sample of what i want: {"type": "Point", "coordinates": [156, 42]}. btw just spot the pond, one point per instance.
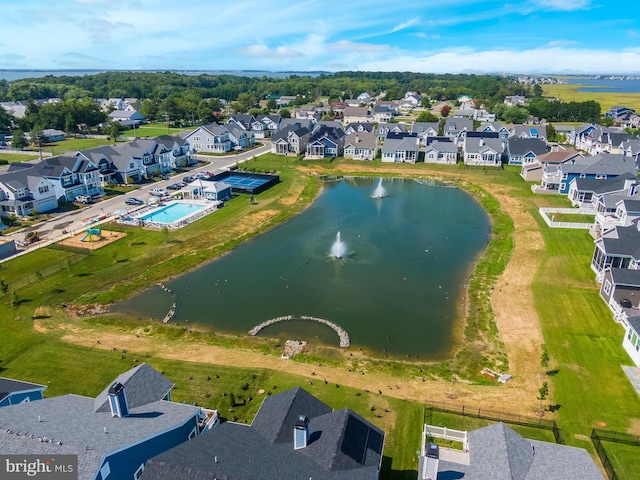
{"type": "Point", "coordinates": [397, 288]}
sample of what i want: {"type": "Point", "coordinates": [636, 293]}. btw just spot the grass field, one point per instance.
{"type": "Point", "coordinates": [569, 93]}
{"type": "Point", "coordinates": [18, 157]}
{"type": "Point", "coordinates": [582, 340]}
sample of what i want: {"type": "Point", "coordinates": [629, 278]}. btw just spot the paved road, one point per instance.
{"type": "Point", "coordinates": [74, 222]}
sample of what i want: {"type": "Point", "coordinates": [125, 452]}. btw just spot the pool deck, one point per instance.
{"type": "Point", "coordinates": [136, 219]}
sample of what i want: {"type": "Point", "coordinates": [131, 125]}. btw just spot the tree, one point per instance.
{"type": "Point", "coordinates": [517, 114]}
{"type": "Point", "coordinates": [19, 141]}
{"type": "Point", "coordinates": [4, 288]}
{"type": "Point", "coordinates": [537, 90]}
{"type": "Point", "coordinates": [272, 105]}
{"type": "Point", "coordinates": [544, 363]}
{"type": "Point", "coordinates": [425, 102]}
{"type": "Point", "coordinates": [426, 117]}
{"type": "Point", "coordinates": [543, 392]}
{"type": "Point", "coordinates": [285, 113]}
{"type": "Point", "coordinates": [445, 111]}
{"type": "Point", "coordinates": [114, 131]}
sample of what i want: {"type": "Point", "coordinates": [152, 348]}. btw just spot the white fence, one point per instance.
{"type": "Point", "coordinates": [546, 212]}
{"type": "Point", "coordinates": [447, 434]}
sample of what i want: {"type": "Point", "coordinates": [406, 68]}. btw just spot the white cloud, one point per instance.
{"type": "Point", "coordinates": [406, 24]}
{"type": "Point", "coordinates": [564, 5]}
{"type": "Point", "coordinates": [542, 60]}
{"type": "Point", "coordinates": [346, 45]}
{"type": "Point", "coordinates": [561, 43]}
{"type": "Point", "coordinates": [262, 51]}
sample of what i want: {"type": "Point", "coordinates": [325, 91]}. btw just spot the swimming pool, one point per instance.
{"type": "Point", "coordinates": [172, 213]}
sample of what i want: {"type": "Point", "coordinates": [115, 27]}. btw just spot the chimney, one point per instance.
{"type": "Point", "coordinates": [481, 142]}
{"type": "Point", "coordinates": [630, 185]}
{"type": "Point", "coordinates": [118, 401]}
{"type": "Point", "coordinates": [357, 139]}
{"type": "Point", "coordinates": [430, 463]}
{"type": "Point", "coordinates": [301, 433]}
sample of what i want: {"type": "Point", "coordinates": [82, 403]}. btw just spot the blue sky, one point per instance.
{"type": "Point", "coordinates": [444, 36]}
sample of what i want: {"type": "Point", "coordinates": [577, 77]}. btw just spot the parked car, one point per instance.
{"type": "Point", "coordinates": [175, 186]}
{"type": "Point", "coordinates": [159, 192]}
{"type": "Point", "coordinates": [86, 199]}
{"type": "Point", "coordinates": [133, 201]}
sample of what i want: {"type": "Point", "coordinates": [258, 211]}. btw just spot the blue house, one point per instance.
{"type": "Point", "coordinates": [113, 434]}
{"type": "Point", "coordinates": [525, 151]}
{"type": "Point", "coordinates": [599, 167]}
{"type": "Point", "coordinates": [13, 392]}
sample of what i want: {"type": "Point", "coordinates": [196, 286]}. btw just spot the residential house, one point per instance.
{"type": "Point", "coordinates": [285, 100]}
{"type": "Point", "coordinates": [290, 140]}
{"type": "Point", "coordinates": [325, 142]}
{"type": "Point", "coordinates": [13, 391]}
{"type": "Point", "coordinates": [210, 138]}
{"type": "Point", "coordinates": [24, 191]}
{"type": "Point", "coordinates": [606, 165]}
{"type": "Point", "coordinates": [293, 436]}
{"type": "Point", "coordinates": [620, 290]}
{"type": "Point", "coordinates": [115, 165]}
{"type": "Point", "coordinates": [568, 131]}
{"type": "Point", "coordinates": [384, 129]}
{"type": "Point", "coordinates": [153, 158]}
{"type": "Point", "coordinates": [618, 207]}
{"type": "Point", "coordinates": [455, 128]}
{"type": "Point", "coordinates": [361, 146]}
{"type": "Point", "coordinates": [582, 136]}
{"type": "Point", "coordinates": [525, 151]}
{"type": "Point", "coordinates": [425, 130]}
{"type": "Point", "coordinates": [485, 152]}
{"type": "Point", "coordinates": [270, 125]}
{"type": "Point", "coordinates": [498, 452]}
{"type": "Point", "coordinates": [618, 247]}
{"type": "Point", "coordinates": [529, 131]}
{"type": "Point", "coordinates": [359, 127]}
{"type": "Point", "coordinates": [239, 137]}
{"type": "Point", "coordinates": [356, 114]}
{"type": "Point", "coordinates": [401, 149]}
{"type": "Point", "coordinates": [71, 176]}
{"type": "Point", "coordinates": [17, 109]}
{"type": "Point", "coordinates": [410, 101]}
{"type": "Point", "coordinates": [503, 132]}
{"type": "Point", "coordinates": [53, 135]}
{"type": "Point", "coordinates": [245, 122]}
{"type": "Point", "coordinates": [631, 340]}
{"type": "Point", "coordinates": [585, 192]}
{"type": "Point", "coordinates": [113, 434]}
{"type": "Point", "coordinates": [619, 111]}
{"type": "Point", "coordinates": [306, 123]}
{"type": "Point", "coordinates": [306, 112]}
{"type": "Point", "coordinates": [338, 107]}
{"type": "Point", "coordinates": [441, 152]}
{"type": "Point", "coordinates": [532, 172]}
{"type": "Point", "coordinates": [127, 118]}
{"type": "Point", "coordinates": [180, 150]}
{"type": "Point", "coordinates": [365, 98]}
{"type": "Point", "coordinates": [210, 190]}
{"type": "Point", "coordinates": [464, 113]}
{"type": "Point", "coordinates": [383, 113]}
{"type": "Point", "coordinates": [513, 100]}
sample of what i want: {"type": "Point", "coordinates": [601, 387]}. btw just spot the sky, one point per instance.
{"type": "Point", "coordinates": [429, 36]}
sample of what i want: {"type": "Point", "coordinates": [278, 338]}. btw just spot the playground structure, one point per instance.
{"type": "Point", "coordinates": [92, 234]}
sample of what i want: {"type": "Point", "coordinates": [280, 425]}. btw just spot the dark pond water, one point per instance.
{"type": "Point", "coordinates": [398, 290]}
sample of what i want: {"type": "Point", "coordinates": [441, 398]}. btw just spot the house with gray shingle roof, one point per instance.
{"type": "Point", "coordinates": [425, 130]}
{"type": "Point", "coordinates": [210, 138]}
{"type": "Point", "coordinates": [128, 117]}
{"type": "Point", "coordinates": [441, 152]}
{"type": "Point", "coordinates": [497, 452]}
{"type": "Point", "coordinates": [485, 152]}
{"type": "Point", "coordinates": [618, 247]}
{"type": "Point", "coordinates": [361, 146]}
{"type": "Point", "coordinates": [529, 131]}
{"type": "Point", "coordinates": [24, 190]}
{"type": "Point", "coordinates": [585, 192]}
{"type": "Point", "coordinates": [402, 149]}
{"type": "Point", "coordinates": [180, 150]}
{"type": "Point", "coordinates": [71, 175]}
{"type": "Point", "coordinates": [503, 132]}
{"type": "Point", "coordinates": [533, 172]}
{"type": "Point", "coordinates": [359, 127]}
{"type": "Point", "coordinates": [293, 436]}
{"type": "Point", "coordinates": [525, 151]}
{"type": "Point", "coordinates": [617, 207]}
{"type": "Point", "coordinates": [13, 391]}
{"type": "Point", "coordinates": [605, 165]}
{"type": "Point", "coordinates": [290, 140]}
{"type": "Point", "coordinates": [112, 435]}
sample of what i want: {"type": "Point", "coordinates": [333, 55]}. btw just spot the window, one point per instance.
{"type": "Point", "coordinates": [607, 287]}
{"type": "Point", "coordinates": [43, 189]}
{"type": "Point", "coordinates": [193, 433]}
{"type": "Point", "coordinates": [138, 474]}
{"type": "Point", "coordinates": [105, 471]}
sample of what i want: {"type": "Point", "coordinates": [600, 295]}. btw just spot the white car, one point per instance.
{"type": "Point", "coordinates": [159, 192]}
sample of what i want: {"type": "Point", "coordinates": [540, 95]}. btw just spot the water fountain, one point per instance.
{"type": "Point", "coordinates": [338, 249]}
{"type": "Point", "coordinates": [380, 191]}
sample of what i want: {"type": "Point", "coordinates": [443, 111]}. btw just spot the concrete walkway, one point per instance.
{"type": "Point", "coordinates": [633, 374]}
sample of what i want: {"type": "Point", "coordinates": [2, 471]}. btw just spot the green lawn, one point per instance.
{"type": "Point", "coordinates": [151, 130]}
{"type": "Point", "coordinates": [18, 157]}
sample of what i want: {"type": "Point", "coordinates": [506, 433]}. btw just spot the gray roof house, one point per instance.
{"type": "Point", "coordinates": [497, 452]}
{"type": "Point", "coordinates": [529, 131]}
{"type": "Point", "coordinates": [23, 189]}
{"type": "Point", "coordinates": [403, 149]}
{"type": "Point", "coordinates": [525, 151]}
{"type": "Point", "coordinates": [618, 247]}
{"type": "Point", "coordinates": [16, 391]}
{"type": "Point", "coordinates": [293, 436]}
{"type": "Point", "coordinates": [455, 127]}
{"type": "Point", "coordinates": [210, 138]}
{"type": "Point", "coordinates": [361, 146]}
{"type": "Point", "coordinates": [441, 152]}
{"type": "Point", "coordinates": [533, 172]}
{"type": "Point", "coordinates": [425, 130]}
{"type": "Point", "coordinates": [486, 152]}
{"type": "Point", "coordinates": [114, 434]}
{"type": "Point", "coordinates": [494, 127]}
{"type": "Point", "coordinates": [585, 192]}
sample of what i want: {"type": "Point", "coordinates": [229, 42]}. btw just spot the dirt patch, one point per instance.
{"type": "Point", "coordinates": [93, 242]}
